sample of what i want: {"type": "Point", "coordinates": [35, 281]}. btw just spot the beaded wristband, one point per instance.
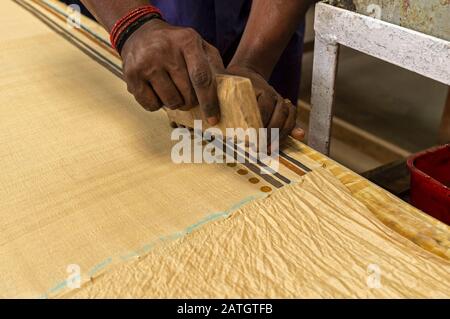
{"type": "Point", "coordinates": [121, 27]}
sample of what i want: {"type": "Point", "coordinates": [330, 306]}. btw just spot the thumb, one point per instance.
{"type": "Point", "coordinates": [298, 133]}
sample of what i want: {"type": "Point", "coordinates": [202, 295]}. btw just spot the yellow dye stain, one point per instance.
{"type": "Point", "coordinates": [242, 172]}
{"type": "Point", "coordinates": [266, 189]}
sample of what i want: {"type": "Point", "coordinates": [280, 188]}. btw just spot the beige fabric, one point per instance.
{"type": "Point", "coordinates": [86, 176]}
{"type": "Point", "coordinates": [312, 239]}
{"type": "Point", "coordinates": [420, 228]}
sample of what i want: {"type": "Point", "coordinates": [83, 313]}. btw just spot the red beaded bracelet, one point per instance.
{"type": "Point", "coordinates": [123, 23]}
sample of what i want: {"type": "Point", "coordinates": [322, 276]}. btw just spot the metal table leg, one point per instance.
{"type": "Point", "coordinates": [326, 54]}
{"type": "Point", "coordinates": [409, 49]}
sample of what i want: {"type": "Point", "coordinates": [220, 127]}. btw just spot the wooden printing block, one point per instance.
{"type": "Point", "coordinates": [238, 106]}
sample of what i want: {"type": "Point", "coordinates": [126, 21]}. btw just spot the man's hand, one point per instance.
{"type": "Point", "coordinates": [174, 67]}
{"type": "Point", "coordinates": [276, 112]}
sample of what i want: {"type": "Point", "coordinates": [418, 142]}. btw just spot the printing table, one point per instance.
{"type": "Point", "coordinates": [87, 177]}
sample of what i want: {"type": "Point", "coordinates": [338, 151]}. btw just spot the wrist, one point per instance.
{"type": "Point", "coordinates": [246, 67]}
{"type": "Point", "coordinates": [124, 28]}
{"type": "Point", "coordinates": [144, 32]}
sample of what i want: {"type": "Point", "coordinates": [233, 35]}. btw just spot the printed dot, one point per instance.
{"type": "Point", "coordinates": [254, 180]}
{"type": "Point", "coordinates": [242, 172]}
{"type": "Point", "coordinates": [266, 189]}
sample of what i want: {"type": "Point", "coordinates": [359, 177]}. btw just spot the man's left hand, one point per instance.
{"type": "Point", "coordinates": [276, 112]}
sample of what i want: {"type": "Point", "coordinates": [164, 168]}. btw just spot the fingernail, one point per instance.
{"type": "Point", "coordinates": [213, 120]}
{"type": "Point", "coordinates": [298, 133]}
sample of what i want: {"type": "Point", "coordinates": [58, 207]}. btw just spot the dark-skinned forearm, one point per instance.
{"type": "Point", "coordinates": [270, 27]}
{"type": "Point", "coordinates": [107, 12]}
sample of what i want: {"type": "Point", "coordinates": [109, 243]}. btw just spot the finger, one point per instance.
{"type": "Point", "coordinates": [214, 58]}
{"type": "Point", "coordinates": [180, 77]}
{"type": "Point", "coordinates": [183, 83]}
{"type": "Point", "coordinates": [203, 81]}
{"type": "Point", "coordinates": [266, 103]}
{"type": "Point", "coordinates": [278, 120]}
{"type": "Point", "coordinates": [298, 133]}
{"type": "Point", "coordinates": [146, 97]}
{"type": "Point", "coordinates": [290, 122]}
{"type": "Point", "coordinates": [166, 90]}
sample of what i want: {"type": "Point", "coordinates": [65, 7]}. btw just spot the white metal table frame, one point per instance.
{"type": "Point", "coordinates": [409, 49]}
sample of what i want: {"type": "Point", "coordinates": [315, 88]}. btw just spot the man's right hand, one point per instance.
{"type": "Point", "coordinates": [173, 67]}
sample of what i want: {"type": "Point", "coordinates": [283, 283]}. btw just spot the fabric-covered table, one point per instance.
{"type": "Point", "coordinates": [87, 182]}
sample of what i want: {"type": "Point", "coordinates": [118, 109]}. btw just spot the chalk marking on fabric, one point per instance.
{"type": "Point", "coordinates": [100, 266]}
{"type": "Point", "coordinates": [129, 255]}
{"type": "Point", "coordinates": [149, 246]}
{"type": "Point", "coordinates": [61, 285]}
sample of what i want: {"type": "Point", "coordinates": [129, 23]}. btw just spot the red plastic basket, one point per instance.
{"type": "Point", "coordinates": [430, 182]}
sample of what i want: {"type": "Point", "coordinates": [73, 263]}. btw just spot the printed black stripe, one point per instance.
{"type": "Point", "coordinates": [294, 161]}
{"type": "Point", "coordinates": [255, 169]}
{"type": "Point", "coordinates": [84, 47]}
{"type": "Point", "coordinates": [59, 11]}
{"type": "Point", "coordinates": [261, 164]}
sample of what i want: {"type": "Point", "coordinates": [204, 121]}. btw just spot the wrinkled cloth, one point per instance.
{"type": "Point", "coordinates": [311, 239]}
